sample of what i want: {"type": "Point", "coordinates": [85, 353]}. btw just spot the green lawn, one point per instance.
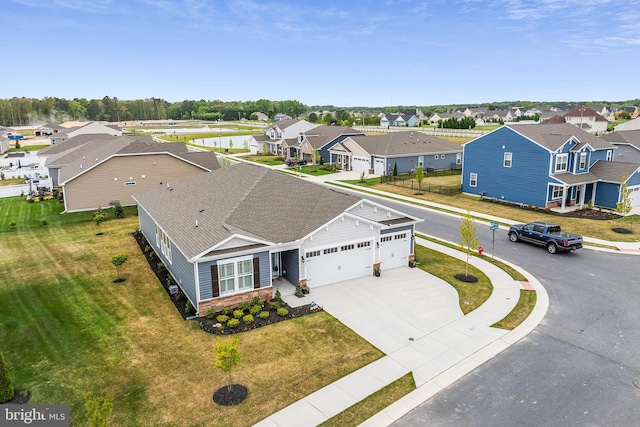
{"type": "Point", "coordinates": [65, 328]}
{"type": "Point", "coordinates": [265, 160]}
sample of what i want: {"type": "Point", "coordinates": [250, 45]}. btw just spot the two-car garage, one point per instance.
{"type": "Point", "coordinates": [326, 265]}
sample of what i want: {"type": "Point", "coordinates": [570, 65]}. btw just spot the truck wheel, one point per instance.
{"type": "Point", "coordinates": [552, 248]}
{"type": "Point", "coordinates": [513, 236]}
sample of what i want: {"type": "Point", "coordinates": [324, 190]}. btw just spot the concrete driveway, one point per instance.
{"type": "Point", "coordinates": [393, 310]}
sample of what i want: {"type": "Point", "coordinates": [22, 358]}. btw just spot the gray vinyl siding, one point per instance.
{"type": "Point", "coordinates": [204, 273]}
{"type": "Point", "coordinates": [626, 153]}
{"type": "Point", "coordinates": [291, 266]}
{"type": "Point", "coordinates": [181, 269]}
{"type": "Point", "coordinates": [406, 164]}
{"type": "Point", "coordinates": [526, 181]}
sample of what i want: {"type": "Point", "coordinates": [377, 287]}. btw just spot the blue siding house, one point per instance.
{"type": "Point", "coordinates": [545, 165]}
{"type": "Point", "coordinates": [226, 235]}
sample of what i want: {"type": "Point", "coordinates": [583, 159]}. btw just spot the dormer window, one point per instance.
{"type": "Point", "coordinates": [562, 161]}
{"type": "Point", "coordinates": [583, 161]}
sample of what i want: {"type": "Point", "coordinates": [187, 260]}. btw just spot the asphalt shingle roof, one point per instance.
{"type": "Point", "coordinates": [613, 171]}
{"type": "Point", "coordinates": [553, 136]}
{"type": "Point", "coordinates": [626, 136]}
{"type": "Point", "coordinates": [246, 199]}
{"type": "Point", "coordinates": [405, 143]}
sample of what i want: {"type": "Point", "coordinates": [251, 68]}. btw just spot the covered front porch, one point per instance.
{"type": "Point", "coordinates": [574, 192]}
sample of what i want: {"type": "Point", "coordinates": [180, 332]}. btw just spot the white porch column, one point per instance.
{"type": "Point", "coordinates": [564, 198]}
{"type": "Point", "coordinates": [583, 190]}
{"type": "Point", "coordinates": [593, 195]}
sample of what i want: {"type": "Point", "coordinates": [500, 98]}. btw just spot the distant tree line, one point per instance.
{"type": "Point", "coordinates": [28, 111]}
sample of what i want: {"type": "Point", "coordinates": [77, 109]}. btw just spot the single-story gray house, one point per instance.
{"type": "Point", "coordinates": [407, 150]}
{"type": "Point", "coordinates": [226, 235]}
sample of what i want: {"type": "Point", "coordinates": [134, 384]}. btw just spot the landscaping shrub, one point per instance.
{"type": "Point", "coordinates": [274, 305]}
{"type": "Point", "coordinates": [278, 295]}
{"type": "Point", "coordinates": [256, 301]}
{"type": "Point", "coordinates": [44, 221]}
{"type": "Point", "coordinates": [222, 318]}
{"type": "Point", "coordinates": [264, 315]}
{"type": "Point", "coordinates": [255, 309]}
{"type": "Point", "coordinates": [233, 323]}
{"type": "Point", "coordinates": [245, 306]}
{"type": "Point", "coordinates": [238, 313]}
{"type": "Point", "coordinates": [188, 308]}
{"type": "Point", "coordinates": [248, 319]}
{"type": "Point", "coordinates": [282, 311]}
{"type": "Point", "coordinates": [211, 313]}
{"type": "Point", "coordinates": [227, 311]}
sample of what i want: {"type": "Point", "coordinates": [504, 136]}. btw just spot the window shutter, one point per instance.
{"type": "Point", "coordinates": [215, 286]}
{"type": "Point", "coordinates": [256, 273]}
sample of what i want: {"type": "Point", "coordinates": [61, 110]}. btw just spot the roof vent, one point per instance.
{"type": "Point", "coordinates": [196, 223]}
{"type": "Point", "coordinates": [201, 210]}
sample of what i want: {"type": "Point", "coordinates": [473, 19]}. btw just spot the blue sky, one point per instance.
{"type": "Point", "coordinates": [345, 53]}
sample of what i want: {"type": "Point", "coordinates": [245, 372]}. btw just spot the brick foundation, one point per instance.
{"type": "Point", "coordinates": [233, 301]}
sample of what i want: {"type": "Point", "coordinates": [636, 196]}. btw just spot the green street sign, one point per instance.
{"type": "Point", "coordinates": [493, 226]}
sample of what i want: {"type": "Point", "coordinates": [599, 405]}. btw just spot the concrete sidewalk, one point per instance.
{"type": "Point", "coordinates": [436, 356]}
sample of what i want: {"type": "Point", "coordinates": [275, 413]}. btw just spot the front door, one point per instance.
{"type": "Point", "coordinates": [578, 191]}
{"type": "Point", "coordinates": [276, 265]}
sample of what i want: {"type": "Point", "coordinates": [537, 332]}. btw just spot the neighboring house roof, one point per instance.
{"type": "Point", "coordinates": [403, 143]}
{"type": "Point", "coordinates": [633, 124]}
{"type": "Point", "coordinates": [613, 171]}
{"type": "Point", "coordinates": [79, 159]}
{"type": "Point", "coordinates": [245, 200]}
{"type": "Point", "coordinates": [555, 119]}
{"type": "Point", "coordinates": [321, 135]}
{"type": "Point", "coordinates": [554, 136]}
{"type": "Point", "coordinates": [631, 137]}
{"type": "Point", "coordinates": [585, 112]}
{"type": "Point", "coordinates": [51, 126]}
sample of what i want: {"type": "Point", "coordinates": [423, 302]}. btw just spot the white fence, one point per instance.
{"type": "Point", "coordinates": [463, 133]}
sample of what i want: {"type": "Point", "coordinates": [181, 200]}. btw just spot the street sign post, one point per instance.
{"type": "Point", "coordinates": [493, 227]}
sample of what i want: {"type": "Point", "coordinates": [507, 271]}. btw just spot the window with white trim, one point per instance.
{"type": "Point", "coordinates": [386, 239]}
{"type": "Point", "coordinates": [245, 275]}
{"type": "Point", "coordinates": [506, 162]}
{"type": "Point", "coordinates": [473, 179]}
{"type": "Point", "coordinates": [435, 157]}
{"type": "Point", "coordinates": [556, 193]}
{"type": "Point", "coordinates": [458, 158]}
{"type": "Point", "coordinates": [562, 161]}
{"type": "Point", "coordinates": [609, 155]}
{"type": "Point", "coordinates": [163, 243]}
{"type": "Point", "coordinates": [583, 161]}
{"type": "Point", "coordinates": [235, 275]}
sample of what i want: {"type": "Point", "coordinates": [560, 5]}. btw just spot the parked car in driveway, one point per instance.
{"type": "Point", "coordinates": [545, 234]}
{"type": "Point", "coordinates": [292, 162]}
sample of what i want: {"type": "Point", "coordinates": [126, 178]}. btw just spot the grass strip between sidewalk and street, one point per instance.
{"type": "Point", "coordinates": [373, 404]}
{"type": "Point", "coordinates": [522, 310]}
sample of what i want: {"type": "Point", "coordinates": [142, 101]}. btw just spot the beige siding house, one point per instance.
{"type": "Point", "coordinates": [96, 172]}
{"type": "Point", "coordinates": [119, 177]}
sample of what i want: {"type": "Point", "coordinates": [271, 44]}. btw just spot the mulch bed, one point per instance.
{"type": "Point", "coordinates": [466, 278]}
{"type": "Point", "coordinates": [595, 214]}
{"type": "Point", "coordinates": [179, 300]}
{"type": "Point", "coordinates": [622, 230]}
{"type": "Point", "coordinates": [224, 397]}
{"type": "Point", "coordinates": [20, 397]}
{"type": "Point", "coordinates": [212, 326]}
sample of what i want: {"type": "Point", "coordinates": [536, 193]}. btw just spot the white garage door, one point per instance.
{"type": "Point", "coordinates": [378, 166]}
{"type": "Point", "coordinates": [360, 165]}
{"type": "Point", "coordinates": [394, 250]}
{"type": "Point", "coordinates": [635, 196]}
{"type": "Point", "coordinates": [338, 263]}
